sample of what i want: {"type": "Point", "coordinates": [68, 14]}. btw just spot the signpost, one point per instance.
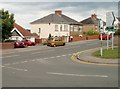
{"type": "Point", "coordinates": [110, 19]}
{"type": "Point", "coordinates": [101, 26]}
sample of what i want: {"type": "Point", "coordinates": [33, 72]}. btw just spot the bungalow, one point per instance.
{"type": "Point", "coordinates": [91, 23]}
{"type": "Point", "coordinates": [19, 33]}
{"type": "Point", "coordinates": [55, 24]}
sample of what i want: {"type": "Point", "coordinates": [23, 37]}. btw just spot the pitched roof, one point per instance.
{"type": "Point", "coordinates": [90, 21]}
{"type": "Point", "coordinates": [56, 18]}
{"type": "Point", "coordinates": [22, 30]}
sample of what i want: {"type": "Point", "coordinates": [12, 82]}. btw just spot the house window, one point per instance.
{"type": "Point", "coordinates": [39, 31]}
{"type": "Point", "coordinates": [56, 27]}
{"type": "Point", "coordinates": [71, 28]}
{"type": "Point", "coordinates": [75, 28]}
{"type": "Point", "coordinates": [65, 27]}
{"type": "Point", "coordinates": [80, 28]}
{"type": "Point", "coordinates": [60, 27]}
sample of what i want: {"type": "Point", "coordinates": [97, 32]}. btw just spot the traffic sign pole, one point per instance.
{"type": "Point", "coordinates": [112, 40]}
{"type": "Point", "coordinates": [107, 41]}
{"type": "Point", "coordinates": [101, 49]}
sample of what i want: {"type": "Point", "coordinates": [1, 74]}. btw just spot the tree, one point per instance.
{"type": "Point", "coordinates": [6, 23]}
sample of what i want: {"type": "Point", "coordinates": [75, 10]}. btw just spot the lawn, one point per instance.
{"type": "Point", "coordinates": [108, 54]}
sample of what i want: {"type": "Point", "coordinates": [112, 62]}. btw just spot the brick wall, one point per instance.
{"type": "Point", "coordinates": [85, 38]}
{"type": "Point", "coordinates": [93, 37]}
{"type": "Point", "coordinates": [7, 45]}
{"type": "Point", "coordinates": [38, 41]}
{"type": "Point", "coordinates": [79, 38]}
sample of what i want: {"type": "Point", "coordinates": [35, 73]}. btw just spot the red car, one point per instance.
{"type": "Point", "coordinates": [18, 43]}
{"type": "Point", "coordinates": [104, 36]}
{"type": "Point", "coordinates": [29, 43]}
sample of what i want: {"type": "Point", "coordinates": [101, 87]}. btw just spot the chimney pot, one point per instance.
{"type": "Point", "coordinates": [94, 16]}
{"type": "Point", "coordinates": [58, 12]}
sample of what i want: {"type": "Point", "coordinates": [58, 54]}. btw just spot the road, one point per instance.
{"type": "Point", "coordinates": [42, 66]}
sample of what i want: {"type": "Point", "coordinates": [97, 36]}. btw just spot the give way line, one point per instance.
{"type": "Point", "coordinates": [77, 75]}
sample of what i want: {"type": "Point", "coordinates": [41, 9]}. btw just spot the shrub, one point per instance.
{"type": "Point", "coordinates": [91, 32]}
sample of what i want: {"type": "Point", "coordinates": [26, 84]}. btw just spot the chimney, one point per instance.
{"type": "Point", "coordinates": [58, 12]}
{"type": "Point", "coordinates": [94, 16]}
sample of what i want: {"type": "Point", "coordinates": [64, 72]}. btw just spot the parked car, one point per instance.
{"type": "Point", "coordinates": [29, 43]}
{"type": "Point", "coordinates": [56, 41]}
{"type": "Point", "coordinates": [18, 43]}
{"type": "Point", "coordinates": [104, 36]}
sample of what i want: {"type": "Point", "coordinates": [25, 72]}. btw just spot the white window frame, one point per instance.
{"type": "Point", "coordinates": [56, 27]}
{"type": "Point", "coordinates": [65, 27]}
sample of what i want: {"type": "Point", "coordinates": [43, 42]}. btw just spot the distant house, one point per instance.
{"type": "Point", "coordinates": [56, 24]}
{"type": "Point", "coordinates": [19, 33]}
{"type": "Point", "coordinates": [91, 23]}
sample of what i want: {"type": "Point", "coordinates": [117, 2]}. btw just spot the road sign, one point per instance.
{"type": "Point", "coordinates": [110, 28]}
{"type": "Point", "coordinates": [110, 19]}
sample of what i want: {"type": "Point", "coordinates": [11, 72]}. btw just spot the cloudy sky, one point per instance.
{"type": "Point", "coordinates": [26, 12]}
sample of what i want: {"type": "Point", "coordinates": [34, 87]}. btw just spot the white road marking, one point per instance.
{"type": "Point", "coordinates": [69, 54]}
{"type": "Point", "coordinates": [14, 68]}
{"type": "Point", "coordinates": [45, 58]}
{"type": "Point", "coordinates": [14, 63]}
{"type": "Point", "coordinates": [32, 60]}
{"type": "Point", "coordinates": [37, 60]}
{"type": "Point", "coordinates": [58, 56]}
{"type": "Point", "coordinates": [10, 56]}
{"type": "Point", "coordinates": [43, 61]}
{"type": "Point", "coordinates": [52, 57]}
{"type": "Point", "coordinates": [77, 75]}
{"type": "Point", "coordinates": [24, 61]}
{"type": "Point", "coordinates": [7, 64]}
{"type": "Point", "coordinates": [42, 52]}
{"type": "Point", "coordinates": [63, 55]}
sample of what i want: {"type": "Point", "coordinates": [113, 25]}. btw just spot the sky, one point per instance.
{"type": "Point", "coordinates": [26, 12]}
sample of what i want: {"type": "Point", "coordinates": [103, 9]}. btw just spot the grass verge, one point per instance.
{"type": "Point", "coordinates": [108, 54]}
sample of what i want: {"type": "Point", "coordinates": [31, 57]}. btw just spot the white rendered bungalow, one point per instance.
{"type": "Point", "coordinates": [19, 33]}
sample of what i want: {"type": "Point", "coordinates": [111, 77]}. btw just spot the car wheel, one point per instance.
{"type": "Point", "coordinates": [63, 44]}
{"type": "Point", "coordinates": [54, 45]}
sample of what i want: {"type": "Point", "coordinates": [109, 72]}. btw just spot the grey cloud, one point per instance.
{"type": "Point", "coordinates": [33, 9]}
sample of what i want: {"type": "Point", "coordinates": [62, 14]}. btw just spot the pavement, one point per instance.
{"type": "Point", "coordinates": [86, 56]}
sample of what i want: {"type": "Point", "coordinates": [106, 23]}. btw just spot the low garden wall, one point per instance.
{"type": "Point", "coordinates": [85, 38]}
{"type": "Point", "coordinates": [7, 45]}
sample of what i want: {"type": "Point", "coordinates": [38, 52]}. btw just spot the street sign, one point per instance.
{"type": "Point", "coordinates": [110, 28]}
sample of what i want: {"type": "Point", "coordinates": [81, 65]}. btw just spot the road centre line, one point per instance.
{"type": "Point", "coordinates": [76, 75]}
{"type": "Point", "coordinates": [36, 59]}
{"type": "Point", "coordinates": [43, 51]}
